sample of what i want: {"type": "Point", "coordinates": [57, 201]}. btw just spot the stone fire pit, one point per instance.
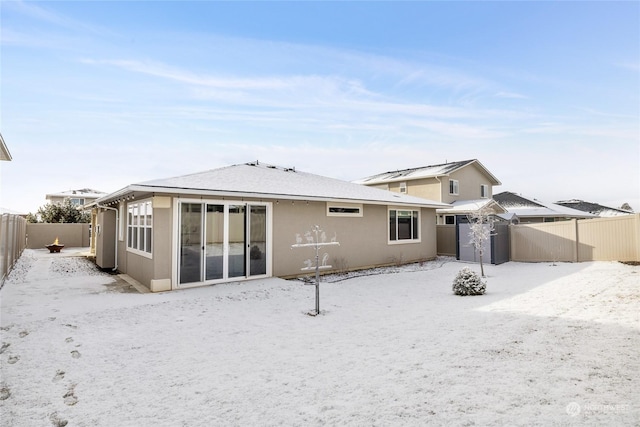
{"type": "Point", "coordinates": [54, 247]}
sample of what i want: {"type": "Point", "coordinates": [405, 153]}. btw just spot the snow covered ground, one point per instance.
{"type": "Point", "coordinates": [547, 345]}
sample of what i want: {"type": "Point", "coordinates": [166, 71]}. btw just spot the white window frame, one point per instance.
{"type": "Point", "coordinates": [484, 191]}
{"type": "Point", "coordinates": [333, 209]}
{"type": "Point", "coordinates": [403, 187]}
{"type": "Point", "coordinates": [138, 210]}
{"type": "Point", "coordinates": [454, 187]}
{"type": "Point", "coordinates": [418, 215]}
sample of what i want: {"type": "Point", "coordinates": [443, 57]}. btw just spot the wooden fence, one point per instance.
{"type": "Point", "coordinates": [12, 242]}
{"type": "Point", "coordinates": [600, 239]}
{"type": "Point", "coordinates": [446, 240]}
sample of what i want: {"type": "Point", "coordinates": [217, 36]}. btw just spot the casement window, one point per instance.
{"type": "Point", "coordinates": [140, 227]}
{"type": "Point", "coordinates": [454, 187]}
{"type": "Point", "coordinates": [403, 187]}
{"type": "Point", "coordinates": [343, 209]}
{"type": "Point", "coordinates": [404, 226]}
{"type": "Point", "coordinates": [484, 191]}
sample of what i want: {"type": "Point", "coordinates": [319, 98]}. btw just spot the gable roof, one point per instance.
{"type": "Point", "coordinates": [4, 151]}
{"type": "Point", "coordinates": [431, 171]}
{"type": "Point", "coordinates": [594, 208]}
{"type": "Point", "coordinates": [260, 180]}
{"type": "Point", "coordinates": [530, 207]}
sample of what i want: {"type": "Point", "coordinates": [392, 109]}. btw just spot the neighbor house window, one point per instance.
{"type": "Point", "coordinates": [77, 202]}
{"type": "Point", "coordinates": [403, 187]}
{"type": "Point", "coordinates": [484, 191]}
{"type": "Point", "coordinates": [404, 225]}
{"type": "Point", "coordinates": [450, 219]}
{"type": "Point", "coordinates": [341, 209]}
{"type": "Point", "coordinates": [454, 186]}
{"type": "Point", "coordinates": [139, 227]}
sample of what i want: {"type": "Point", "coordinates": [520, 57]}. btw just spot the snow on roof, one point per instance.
{"type": "Point", "coordinates": [261, 180]}
{"type": "Point", "coordinates": [466, 206]}
{"type": "Point", "coordinates": [83, 192]}
{"type": "Point", "coordinates": [594, 208]}
{"type": "Point", "coordinates": [423, 172]}
{"type": "Point", "coordinates": [530, 207]}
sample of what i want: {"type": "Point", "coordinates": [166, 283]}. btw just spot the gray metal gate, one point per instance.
{"type": "Point", "coordinates": [496, 248]}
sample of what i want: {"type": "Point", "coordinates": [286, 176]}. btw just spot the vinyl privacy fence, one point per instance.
{"type": "Point", "coordinates": [601, 239]}
{"type": "Point", "coordinates": [13, 240]}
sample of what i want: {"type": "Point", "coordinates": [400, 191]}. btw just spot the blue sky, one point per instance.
{"type": "Point", "coordinates": [104, 94]}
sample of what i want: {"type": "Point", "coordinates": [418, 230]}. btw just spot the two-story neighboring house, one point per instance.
{"type": "Point", "coordinates": [467, 185]}
{"type": "Point", "coordinates": [80, 197]}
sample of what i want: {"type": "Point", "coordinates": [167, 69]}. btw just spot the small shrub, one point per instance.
{"type": "Point", "coordinates": [468, 282]}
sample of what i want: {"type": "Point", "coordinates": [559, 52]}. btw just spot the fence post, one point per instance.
{"type": "Point", "coordinates": [576, 238]}
{"type": "Point", "coordinates": [637, 236]}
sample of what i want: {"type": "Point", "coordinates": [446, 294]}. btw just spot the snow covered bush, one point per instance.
{"type": "Point", "coordinates": [468, 282]}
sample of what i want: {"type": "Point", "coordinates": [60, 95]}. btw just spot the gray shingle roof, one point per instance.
{"type": "Point", "coordinates": [593, 208]}
{"type": "Point", "coordinates": [529, 207]}
{"type": "Point", "coordinates": [261, 180]}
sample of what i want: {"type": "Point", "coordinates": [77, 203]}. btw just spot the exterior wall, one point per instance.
{"type": "Point", "coordinates": [606, 239]}
{"type": "Point", "coordinates": [163, 240]}
{"type": "Point", "coordinates": [70, 235]}
{"type": "Point", "coordinates": [143, 269]}
{"type": "Point", "coordinates": [363, 240]}
{"type": "Point", "coordinates": [470, 178]}
{"type": "Point", "coordinates": [428, 188]}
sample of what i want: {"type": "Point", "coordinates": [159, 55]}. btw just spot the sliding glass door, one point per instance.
{"type": "Point", "coordinates": [221, 240]}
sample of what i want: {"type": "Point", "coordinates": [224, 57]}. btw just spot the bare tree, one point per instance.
{"type": "Point", "coordinates": [481, 224]}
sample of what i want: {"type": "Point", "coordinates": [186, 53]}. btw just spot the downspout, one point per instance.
{"type": "Point", "coordinates": [116, 233]}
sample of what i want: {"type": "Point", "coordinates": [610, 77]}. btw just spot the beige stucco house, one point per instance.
{"type": "Point", "coordinates": [240, 222]}
{"type": "Point", "coordinates": [466, 185]}
{"type": "Point", "coordinates": [81, 197]}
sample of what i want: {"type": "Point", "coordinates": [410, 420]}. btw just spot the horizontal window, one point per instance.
{"type": "Point", "coordinates": [348, 210]}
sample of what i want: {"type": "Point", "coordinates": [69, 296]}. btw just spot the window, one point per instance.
{"type": "Point", "coordinates": [454, 186]}
{"type": "Point", "coordinates": [450, 219]}
{"type": "Point", "coordinates": [77, 202]}
{"type": "Point", "coordinates": [404, 225]}
{"type": "Point", "coordinates": [484, 191]}
{"type": "Point", "coordinates": [403, 187]}
{"type": "Point", "coordinates": [341, 209]}
{"type": "Point", "coordinates": [139, 227]}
